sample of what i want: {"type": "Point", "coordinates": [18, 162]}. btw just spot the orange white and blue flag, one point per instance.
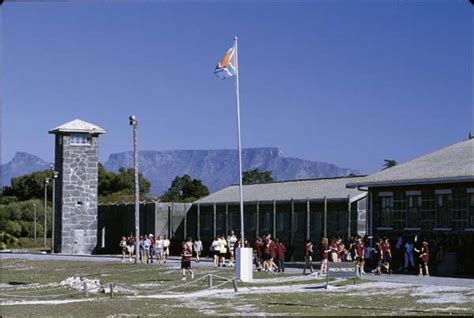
{"type": "Point", "coordinates": [227, 66]}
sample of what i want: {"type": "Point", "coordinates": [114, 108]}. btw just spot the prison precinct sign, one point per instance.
{"type": "Point", "coordinates": [341, 270]}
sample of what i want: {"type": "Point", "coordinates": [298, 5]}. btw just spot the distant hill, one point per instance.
{"type": "Point", "coordinates": [22, 163]}
{"type": "Point", "coordinates": [218, 168]}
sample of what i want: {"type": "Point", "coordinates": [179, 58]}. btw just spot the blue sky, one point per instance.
{"type": "Point", "coordinates": [346, 82]}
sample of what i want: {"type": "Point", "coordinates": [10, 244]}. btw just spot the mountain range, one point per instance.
{"type": "Point", "coordinates": [216, 168]}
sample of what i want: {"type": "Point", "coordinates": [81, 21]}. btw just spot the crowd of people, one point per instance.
{"type": "Point", "coordinates": [269, 254]}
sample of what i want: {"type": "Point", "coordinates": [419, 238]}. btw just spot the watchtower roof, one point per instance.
{"type": "Point", "coordinates": [78, 126]}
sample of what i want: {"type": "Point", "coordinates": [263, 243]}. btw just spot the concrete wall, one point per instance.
{"type": "Point", "coordinates": [161, 218]}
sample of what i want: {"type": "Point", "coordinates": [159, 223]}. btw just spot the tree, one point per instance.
{"type": "Point", "coordinates": [29, 186]}
{"type": "Point", "coordinates": [185, 189]}
{"type": "Point", "coordinates": [389, 163]}
{"type": "Point", "coordinates": [120, 187]}
{"type": "Point", "coordinates": [256, 176]}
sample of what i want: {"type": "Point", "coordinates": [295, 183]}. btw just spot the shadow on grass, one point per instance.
{"type": "Point", "coordinates": [18, 283]}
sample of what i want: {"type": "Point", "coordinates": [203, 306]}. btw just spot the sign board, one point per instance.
{"type": "Point", "coordinates": [342, 270]}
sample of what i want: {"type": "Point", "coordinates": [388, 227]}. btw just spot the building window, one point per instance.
{"type": "Point", "coordinates": [460, 213]}
{"type": "Point", "coordinates": [471, 210]}
{"type": "Point", "coordinates": [386, 211]}
{"type": "Point", "coordinates": [443, 210]}
{"type": "Point", "coordinates": [80, 139]}
{"type": "Point", "coordinates": [413, 210]}
{"type": "Point", "coordinates": [428, 210]}
{"type": "Point", "coordinates": [399, 210]}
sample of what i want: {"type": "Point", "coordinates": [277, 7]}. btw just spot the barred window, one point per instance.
{"type": "Point", "coordinates": [80, 139]}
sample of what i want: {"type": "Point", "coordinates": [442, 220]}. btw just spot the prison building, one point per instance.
{"type": "Point", "coordinates": [432, 196]}
{"type": "Point", "coordinates": [291, 210]}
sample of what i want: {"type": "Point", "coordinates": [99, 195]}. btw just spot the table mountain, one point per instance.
{"type": "Point", "coordinates": [218, 168]}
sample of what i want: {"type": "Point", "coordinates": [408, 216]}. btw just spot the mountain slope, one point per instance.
{"type": "Point", "coordinates": [218, 168]}
{"type": "Point", "coordinates": [22, 163]}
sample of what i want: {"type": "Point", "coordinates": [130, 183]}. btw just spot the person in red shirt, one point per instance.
{"type": "Point", "coordinates": [386, 254]}
{"type": "Point", "coordinates": [308, 256]}
{"type": "Point", "coordinates": [324, 249]}
{"type": "Point", "coordinates": [360, 255]}
{"type": "Point", "coordinates": [281, 251]}
{"type": "Point", "coordinates": [378, 255]}
{"type": "Point", "coordinates": [425, 258]}
{"type": "Point", "coordinates": [341, 250]}
{"type": "Point", "coordinates": [186, 255]}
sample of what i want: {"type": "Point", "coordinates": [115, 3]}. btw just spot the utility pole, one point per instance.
{"type": "Point", "coordinates": [53, 205]}
{"type": "Point", "coordinates": [134, 123]}
{"type": "Point", "coordinates": [46, 182]}
{"type": "Point", "coordinates": [34, 207]}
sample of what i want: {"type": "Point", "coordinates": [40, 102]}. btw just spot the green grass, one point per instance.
{"type": "Point", "coordinates": [38, 279]}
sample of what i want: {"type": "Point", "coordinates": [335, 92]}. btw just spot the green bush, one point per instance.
{"type": "Point", "coordinates": [13, 228]}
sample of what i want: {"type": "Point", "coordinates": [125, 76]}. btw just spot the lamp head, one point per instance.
{"type": "Point", "coordinates": [133, 120]}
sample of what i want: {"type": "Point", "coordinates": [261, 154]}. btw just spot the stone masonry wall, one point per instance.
{"type": "Point", "coordinates": [79, 175]}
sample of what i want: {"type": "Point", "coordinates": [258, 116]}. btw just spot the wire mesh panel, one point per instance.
{"type": "Point", "coordinates": [220, 219]}
{"type": "Point", "coordinates": [191, 222]}
{"type": "Point", "coordinates": [250, 221]}
{"type": "Point", "coordinates": [234, 218]}
{"type": "Point", "coordinates": [207, 223]}
{"type": "Point", "coordinates": [299, 230]}
{"type": "Point", "coordinates": [316, 221]}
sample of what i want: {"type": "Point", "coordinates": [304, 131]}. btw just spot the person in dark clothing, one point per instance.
{"type": "Point", "coordinates": [281, 251]}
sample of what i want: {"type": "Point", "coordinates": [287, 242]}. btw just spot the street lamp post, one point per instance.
{"type": "Point", "coordinates": [134, 123]}
{"type": "Point", "coordinates": [53, 205]}
{"type": "Point", "coordinates": [34, 207]}
{"type": "Point", "coordinates": [46, 182]}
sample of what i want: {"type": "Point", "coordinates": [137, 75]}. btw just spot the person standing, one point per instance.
{"type": "Point", "coordinates": [166, 248]}
{"type": "Point", "coordinates": [359, 255]}
{"type": "Point", "coordinates": [308, 256]}
{"type": "Point", "coordinates": [425, 258]}
{"type": "Point", "coordinates": [159, 250]}
{"type": "Point", "coordinates": [231, 239]}
{"type": "Point", "coordinates": [409, 257]}
{"type": "Point", "coordinates": [152, 248]}
{"type": "Point", "coordinates": [186, 255]}
{"type": "Point", "coordinates": [130, 246]}
{"type": "Point", "coordinates": [222, 250]}
{"type": "Point", "coordinates": [123, 246]}
{"type": "Point", "coordinates": [378, 257]}
{"type": "Point", "coordinates": [215, 250]}
{"type": "Point", "coordinates": [324, 249]}
{"type": "Point", "coordinates": [387, 255]}
{"type": "Point", "coordinates": [281, 252]}
{"type": "Point", "coordinates": [146, 249]}
{"type": "Point", "coordinates": [197, 248]}
{"type": "Point", "coordinates": [257, 253]}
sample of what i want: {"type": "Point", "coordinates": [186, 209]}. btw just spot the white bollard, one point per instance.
{"type": "Point", "coordinates": [244, 264]}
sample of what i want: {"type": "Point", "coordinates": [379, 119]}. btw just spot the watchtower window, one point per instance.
{"type": "Point", "coordinates": [80, 139]}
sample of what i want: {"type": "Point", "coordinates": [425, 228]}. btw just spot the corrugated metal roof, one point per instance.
{"type": "Point", "coordinates": [331, 188]}
{"type": "Point", "coordinates": [454, 163]}
{"type": "Point", "coordinates": [78, 125]}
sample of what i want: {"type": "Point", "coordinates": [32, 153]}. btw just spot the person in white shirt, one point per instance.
{"type": "Point", "coordinates": [159, 250]}
{"type": "Point", "coordinates": [166, 248]}
{"type": "Point", "coordinates": [215, 249]}
{"type": "Point", "coordinates": [231, 239]}
{"type": "Point", "coordinates": [197, 248]}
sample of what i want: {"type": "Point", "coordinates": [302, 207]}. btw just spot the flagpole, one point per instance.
{"type": "Point", "coordinates": [239, 144]}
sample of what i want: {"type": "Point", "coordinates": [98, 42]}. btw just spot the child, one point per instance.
{"type": "Point", "coordinates": [123, 246]}
{"type": "Point", "coordinates": [324, 250]}
{"type": "Point", "coordinates": [187, 254]}
{"type": "Point", "coordinates": [359, 255]}
{"type": "Point", "coordinates": [308, 253]}
{"type": "Point", "coordinates": [425, 257]}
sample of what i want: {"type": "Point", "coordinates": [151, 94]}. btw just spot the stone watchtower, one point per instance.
{"type": "Point", "coordinates": [76, 161]}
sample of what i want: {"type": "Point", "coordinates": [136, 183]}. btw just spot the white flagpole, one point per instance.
{"type": "Point", "coordinates": [239, 144]}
